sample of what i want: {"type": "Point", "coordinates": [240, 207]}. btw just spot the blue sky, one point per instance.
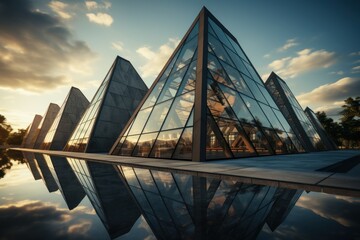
{"type": "Point", "coordinates": [48, 46]}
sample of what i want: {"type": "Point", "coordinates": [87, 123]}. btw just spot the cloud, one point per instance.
{"type": "Point", "coordinates": [100, 18]}
{"type": "Point", "coordinates": [355, 69]}
{"type": "Point", "coordinates": [338, 73]}
{"type": "Point", "coordinates": [305, 61]}
{"type": "Point", "coordinates": [59, 8]}
{"type": "Point", "coordinates": [92, 5]}
{"type": "Point", "coordinates": [41, 219]}
{"type": "Point", "coordinates": [331, 207]}
{"type": "Point", "coordinates": [266, 56]}
{"type": "Point", "coordinates": [332, 109]}
{"type": "Point", "coordinates": [156, 60]}
{"type": "Point", "coordinates": [289, 44]}
{"type": "Point", "coordinates": [118, 46]}
{"type": "Point", "coordinates": [37, 50]}
{"type": "Point", "coordinates": [332, 92]}
{"type": "Point", "coordinates": [355, 54]}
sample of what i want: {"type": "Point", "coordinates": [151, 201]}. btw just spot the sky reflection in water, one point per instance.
{"type": "Point", "coordinates": [154, 204]}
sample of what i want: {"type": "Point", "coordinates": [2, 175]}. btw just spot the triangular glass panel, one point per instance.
{"type": "Point", "coordinates": [166, 143]}
{"type": "Point", "coordinates": [184, 147]}
{"type": "Point", "coordinates": [180, 111]}
{"type": "Point", "coordinates": [145, 144]}
{"type": "Point", "coordinates": [188, 84]}
{"type": "Point", "coordinates": [235, 137]}
{"type": "Point", "coordinates": [215, 144]}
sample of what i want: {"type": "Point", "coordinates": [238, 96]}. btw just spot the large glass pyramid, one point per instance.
{"type": "Point", "coordinates": [110, 109]}
{"type": "Point", "coordinates": [294, 113]}
{"type": "Point", "coordinates": [207, 103]}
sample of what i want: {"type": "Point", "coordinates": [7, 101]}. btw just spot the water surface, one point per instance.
{"type": "Point", "coordinates": [48, 197]}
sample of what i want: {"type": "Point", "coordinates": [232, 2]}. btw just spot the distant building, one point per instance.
{"type": "Point", "coordinates": [31, 132]}
{"type": "Point", "coordinates": [46, 123]}
{"type": "Point", "coordinates": [208, 102]}
{"type": "Point", "coordinates": [294, 113]}
{"type": "Point", "coordinates": [110, 109]}
{"type": "Point", "coordinates": [69, 115]}
{"type": "Point", "coordinates": [329, 143]}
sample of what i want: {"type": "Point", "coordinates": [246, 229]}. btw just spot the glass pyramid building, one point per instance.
{"type": "Point", "coordinates": [46, 123]}
{"type": "Point", "coordinates": [207, 103]}
{"type": "Point", "coordinates": [294, 113]}
{"type": "Point", "coordinates": [329, 143]}
{"type": "Point", "coordinates": [110, 109]}
{"type": "Point", "coordinates": [31, 132]}
{"type": "Point", "coordinates": [65, 121]}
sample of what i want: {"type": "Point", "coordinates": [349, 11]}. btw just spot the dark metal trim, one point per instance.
{"type": "Point", "coordinates": [199, 128]}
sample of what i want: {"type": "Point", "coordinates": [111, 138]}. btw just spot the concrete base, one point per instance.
{"type": "Point", "coordinates": [297, 171]}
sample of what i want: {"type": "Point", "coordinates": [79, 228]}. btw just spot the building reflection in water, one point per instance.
{"type": "Point", "coordinates": [31, 164]}
{"type": "Point", "coordinates": [66, 180]}
{"type": "Point", "coordinates": [46, 175]}
{"type": "Point", "coordinates": [174, 205]}
{"type": "Point", "coordinates": [107, 192]}
{"type": "Point", "coordinates": [181, 206]}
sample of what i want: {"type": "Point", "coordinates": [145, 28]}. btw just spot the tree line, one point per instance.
{"type": "Point", "coordinates": [7, 135]}
{"type": "Point", "coordinates": [345, 133]}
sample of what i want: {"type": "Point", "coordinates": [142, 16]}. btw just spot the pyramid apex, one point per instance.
{"type": "Point", "coordinates": [120, 58]}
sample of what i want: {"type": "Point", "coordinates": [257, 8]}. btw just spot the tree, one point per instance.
{"type": "Point", "coordinates": [351, 109]}
{"type": "Point", "coordinates": [333, 129]}
{"type": "Point", "coordinates": [350, 122]}
{"type": "Point", "coordinates": [16, 138]}
{"type": "Point", "coordinates": [5, 129]}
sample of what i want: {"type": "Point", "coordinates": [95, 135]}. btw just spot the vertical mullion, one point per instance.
{"type": "Point", "coordinates": [199, 128]}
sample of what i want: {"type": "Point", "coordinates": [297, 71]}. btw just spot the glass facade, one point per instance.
{"type": "Point", "coordinates": [46, 123]}
{"type": "Point", "coordinates": [110, 109]}
{"type": "Point", "coordinates": [241, 118]}
{"type": "Point", "coordinates": [31, 132]}
{"type": "Point", "coordinates": [162, 126]}
{"type": "Point", "coordinates": [182, 206]}
{"type": "Point", "coordinates": [65, 121]}
{"type": "Point", "coordinates": [294, 113]}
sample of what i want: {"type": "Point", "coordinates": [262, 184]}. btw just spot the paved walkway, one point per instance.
{"type": "Point", "coordinates": [296, 171]}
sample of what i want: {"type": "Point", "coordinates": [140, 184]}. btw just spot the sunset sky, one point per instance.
{"type": "Point", "coordinates": [48, 46]}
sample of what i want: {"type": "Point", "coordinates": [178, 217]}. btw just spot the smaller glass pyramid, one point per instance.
{"type": "Point", "coordinates": [65, 121]}
{"type": "Point", "coordinates": [294, 113]}
{"type": "Point", "coordinates": [110, 109]}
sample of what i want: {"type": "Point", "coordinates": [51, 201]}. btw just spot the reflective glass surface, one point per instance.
{"type": "Point", "coordinates": [80, 137]}
{"type": "Point", "coordinates": [167, 109]}
{"type": "Point", "coordinates": [294, 112]}
{"type": "Point", "coordinates": [236, 96]}
{"type": "Point", "coordinates": [165, 143]}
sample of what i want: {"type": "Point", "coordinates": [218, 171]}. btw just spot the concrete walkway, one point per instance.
{"type": "Point", "coordinates": [297, 171]}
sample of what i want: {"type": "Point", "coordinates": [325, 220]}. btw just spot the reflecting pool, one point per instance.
{"type": "Point", "coordinates": [50, 197]}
